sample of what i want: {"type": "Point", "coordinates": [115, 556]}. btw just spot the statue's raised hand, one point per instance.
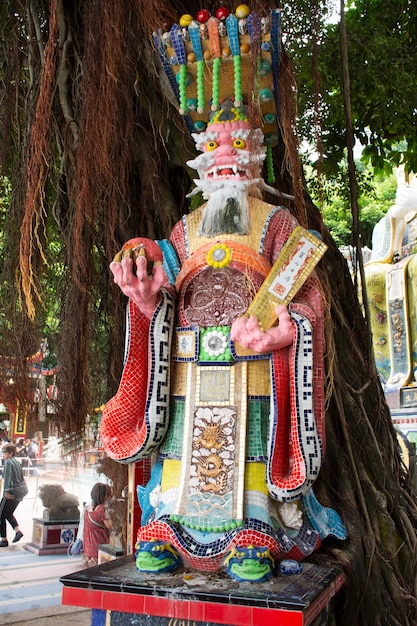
{"type": "Point", "coordinates": [248, 333]}
{"type": "Point", "coordinates": [138, 271]}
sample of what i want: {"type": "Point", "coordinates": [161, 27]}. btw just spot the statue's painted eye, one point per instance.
{"type": "Point", "coordinates": [240, 144]}
{"type": "Point", "coordinates": [212, 145]}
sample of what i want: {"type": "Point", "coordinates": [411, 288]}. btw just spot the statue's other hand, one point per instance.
{"type": "Point", "coordinates": [249, 334]}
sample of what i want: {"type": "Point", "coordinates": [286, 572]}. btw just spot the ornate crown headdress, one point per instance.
{"type": "Point", "coordinates": [226, 57]}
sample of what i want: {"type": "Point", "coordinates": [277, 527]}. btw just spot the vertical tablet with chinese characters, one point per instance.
{"type": "Point", "coordinates": [296, 261]}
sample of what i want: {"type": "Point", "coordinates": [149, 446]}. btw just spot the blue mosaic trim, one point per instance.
{"type": "Point", "coordinates": [275, 54]}
{"type": "Point", "coordinates": [194, 32]}
{"type": "Point", "coordinates": [233, 34]}
{"type": "Point", "coordinates": [169, 455]}
{"type": "Point", "coordinates": [266, 226]}
{"type": "Point", "coordinates": [260, 397]}
{"type": "Point", "coordinates": [323, 519]}
{"type": "Point", "coordinates": [170, 75]}
{"type": "Point", "coordinates": [166, 64]}
{"type": "Point", "coordinates": [157, 405]}
{"type": "Point", "coordinates": [216, 363]}
{"type": "Point", "coordinates": [178, 44]}
{"type": "Point", "coordinates": [170, 263]}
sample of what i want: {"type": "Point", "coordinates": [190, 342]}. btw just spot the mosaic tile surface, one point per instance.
{"type": "Point", "coordinates": [282, 402]}
{"type": "Point", "coordinates": [236, 434]}
{"type": "Point", "coordinates": [240, 436]}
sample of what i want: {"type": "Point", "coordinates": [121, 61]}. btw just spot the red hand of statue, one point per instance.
{"type": "Point", "coordinates": [248, 332]}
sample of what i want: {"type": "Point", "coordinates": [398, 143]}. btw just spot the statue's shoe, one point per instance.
{"type": "Point", "coordinates": [156, 557]}
{"type": "Point", "coordinates": [249, 564]}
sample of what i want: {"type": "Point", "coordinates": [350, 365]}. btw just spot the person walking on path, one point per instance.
{"type": "Point", "coordinates": [12, 474]}
{"type": "Point", "coordinates": [96, 524]}
{"type": "Point", "coordinates": [32, 453]}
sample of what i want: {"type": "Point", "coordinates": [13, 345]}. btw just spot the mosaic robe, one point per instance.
{"type": "Point", "coordinates": [245, 431]}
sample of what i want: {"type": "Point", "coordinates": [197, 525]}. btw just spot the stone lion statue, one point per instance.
{"type": "Point", "coordinates": [59, 505]}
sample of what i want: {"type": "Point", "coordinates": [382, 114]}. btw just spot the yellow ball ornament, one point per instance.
{"type": "Point", "coordinates": [186, 19]}
{"type": "Point", "coordinates": [242, 11]}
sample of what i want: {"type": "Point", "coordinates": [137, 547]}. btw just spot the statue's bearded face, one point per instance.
{"type": "Point", "coordinates": [230, 170]}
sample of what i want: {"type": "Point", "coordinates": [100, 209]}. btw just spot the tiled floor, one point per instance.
{"type": "Point", "coordinates": [50, 616]}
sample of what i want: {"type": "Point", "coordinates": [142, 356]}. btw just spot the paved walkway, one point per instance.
{"type": "Point", "coordinates": [30, 591]}
{"type": "Point", "coordinates": [52, 616]}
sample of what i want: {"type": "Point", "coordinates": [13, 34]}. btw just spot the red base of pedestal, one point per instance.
{"type": "Point", "coordinates": [121, 591]}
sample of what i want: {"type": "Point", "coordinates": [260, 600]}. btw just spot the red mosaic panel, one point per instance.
{"type": "Point", "coordinates": [120, 428]}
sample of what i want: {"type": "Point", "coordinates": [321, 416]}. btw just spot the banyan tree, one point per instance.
{"type": "Point", "coordinates": [93, 153]}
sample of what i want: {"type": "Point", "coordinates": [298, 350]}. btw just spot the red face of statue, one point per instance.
{"type": "Point", "coordinates": [232, 150]}
{"type": "Point", "coordinates": [228, 149]}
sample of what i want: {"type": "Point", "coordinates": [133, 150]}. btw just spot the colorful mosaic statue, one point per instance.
{"type": "Point", "coordinates": [231, 414]}
{"type": "Point", "coordinates": [391, 281]}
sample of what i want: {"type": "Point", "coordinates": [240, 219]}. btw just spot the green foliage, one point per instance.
{"type": "Point", "coordinates": [382, 37]}
{"type": "Point", "coordinates": [383, 96]}
{"type": "Point", "coordinates": [373, 206]}
{"type": "Point", "coordinates": [376, 195]}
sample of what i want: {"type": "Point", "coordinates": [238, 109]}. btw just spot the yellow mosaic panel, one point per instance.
{"type": "Point", "coordinates": [171, 474]}
{"type": "Point", "coordinates": [255, 478]}
{"type": "Point", "coordinates": [259, 378]}
{"type": "Point", "coordinates": [179, 379]}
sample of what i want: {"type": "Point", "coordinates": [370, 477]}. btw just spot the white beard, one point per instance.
{"type": "Point", "coordinates": [227, 209]}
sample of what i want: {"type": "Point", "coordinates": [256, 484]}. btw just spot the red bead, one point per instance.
{"type": "Point", "coordinates": [203, 16]}
{"type": "Point", "coordinates": [222, 13]}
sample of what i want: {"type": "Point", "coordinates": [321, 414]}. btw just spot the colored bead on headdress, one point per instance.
{"type": "Point", "coordinates": [210, 60]}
